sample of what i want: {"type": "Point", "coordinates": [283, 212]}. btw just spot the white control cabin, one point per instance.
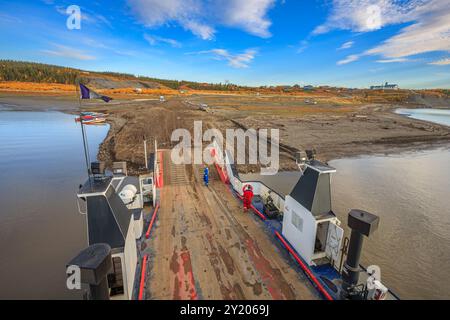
{"type": "Point", "coordinates": [309, 223]}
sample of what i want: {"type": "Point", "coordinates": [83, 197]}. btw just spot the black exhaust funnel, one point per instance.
{"type": "Point", "coordinates": [362, 224]}
{"type": "Point", "coordinates": [95, 263]}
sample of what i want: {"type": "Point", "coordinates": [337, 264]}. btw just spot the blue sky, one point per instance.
{"type": "Point", "coordinates": [352, 43]}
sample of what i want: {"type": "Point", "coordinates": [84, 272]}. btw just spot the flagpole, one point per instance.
{"type": "Point", "coordinates": [83, 133]}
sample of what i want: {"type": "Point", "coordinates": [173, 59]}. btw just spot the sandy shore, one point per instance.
{"type": "Point", "coordinates": [335, 131]}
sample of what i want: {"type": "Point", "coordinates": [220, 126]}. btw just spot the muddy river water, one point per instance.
{"type": "Point", "coordinates": [410, 192]}
{"type": "Point", "coordinates": [42, 164]}
{"type": "Point", "coordinates": [41, 167]}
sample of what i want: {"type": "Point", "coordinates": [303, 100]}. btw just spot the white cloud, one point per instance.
{"type": "Point", "coordinates": [98, 44]}
{"type": "Point", "coordinates": [249, 15]}
{"type": "Point", "coordinates": [126, 53]}
{"type": "Point", "coordinates": [366, 15]}
{"type": "Point", "coordinates": [201, 30]}
{"type": "Point", "coordinates": [429, 28]}
{"type": "Point", "coordinates": [376, 70]}
{"type": "Point", "coordinates": [349, 59]}
{"type": "Point", "coordinates": [154, 40]}
{"type": "Point", "coordinates": [443, 62]}
{"type": "Point", "coordinates": [68, 52]}
{"type": "Point", "coordinates": [393, 60]}
{"type": "Point", "coordinates": [202, 17]}
{"type": "Point", "coordinates": [303, 46]}
{"type": "Point", "coordinates": [346, 45]}
{"type": "Point", "coordinates": [94, 43]}
{"type": "Point", "coordinates": [430, 32]}
{"type": "Point", "coordinates": [239, 61]}
{"type": "Point", "coordinates": [9, 19]}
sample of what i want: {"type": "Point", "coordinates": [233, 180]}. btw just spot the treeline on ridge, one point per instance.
{"type": "Point", "coordinates": [21, 71]}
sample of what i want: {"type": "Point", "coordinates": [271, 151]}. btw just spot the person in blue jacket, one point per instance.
{"type": "Point", "coordinates": [206, 176]}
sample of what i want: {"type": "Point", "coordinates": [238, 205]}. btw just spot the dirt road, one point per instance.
{"type": "Point", "coordinates": [205, 247]}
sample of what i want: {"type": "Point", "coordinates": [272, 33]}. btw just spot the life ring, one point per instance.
{"type": "Point", "coordinates": [247, 187]}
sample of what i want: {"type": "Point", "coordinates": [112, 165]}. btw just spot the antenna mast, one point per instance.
{"type": "Point", "coordinates": [83, 132]}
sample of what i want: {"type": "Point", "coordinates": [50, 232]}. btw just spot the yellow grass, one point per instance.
{"type": "Point", "coordinates": [327, 96]}
{"type": "Point", "coordinates": [36, 87]}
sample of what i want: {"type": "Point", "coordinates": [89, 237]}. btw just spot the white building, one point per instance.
{"type": "Point", "coordinates": [385, 86]}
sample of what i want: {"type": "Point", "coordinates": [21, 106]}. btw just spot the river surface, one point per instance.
{"type": "Point", "coordinates": [42, 164]}
{"type": "Point", "coordinates": [41, 167]}
{"type": "Point", "coordinates": [440, 116]}
{"type": "Point", "coordinates": [410, 192]}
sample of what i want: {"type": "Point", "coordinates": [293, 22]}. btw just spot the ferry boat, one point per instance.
{"type": "Point", "coordinates": [91, 118]}
{"type": "Point", "coordinates": [115, 265]}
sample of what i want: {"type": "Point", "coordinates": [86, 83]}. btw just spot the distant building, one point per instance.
{"type": "Point", "coordinates": [385, 86]}
{"type": "Point", "coordinates": [308, 88]}
{"type": "Point", "coordinates": [310, 101]}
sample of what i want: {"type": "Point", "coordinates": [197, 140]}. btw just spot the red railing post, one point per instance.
{"type": "Point", "coordinates": [147, 234]}
{"type": "Point", "coordinates": [142, 283]}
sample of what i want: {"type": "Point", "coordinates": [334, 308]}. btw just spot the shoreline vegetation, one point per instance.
{"type": "Point", "coordinates": [336, 122]}
{"type": "Point", "coordinates": [27, 77]}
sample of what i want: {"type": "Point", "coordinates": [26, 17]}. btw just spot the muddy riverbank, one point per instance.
{"type": "Point", "coordinates": [334, 131]}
